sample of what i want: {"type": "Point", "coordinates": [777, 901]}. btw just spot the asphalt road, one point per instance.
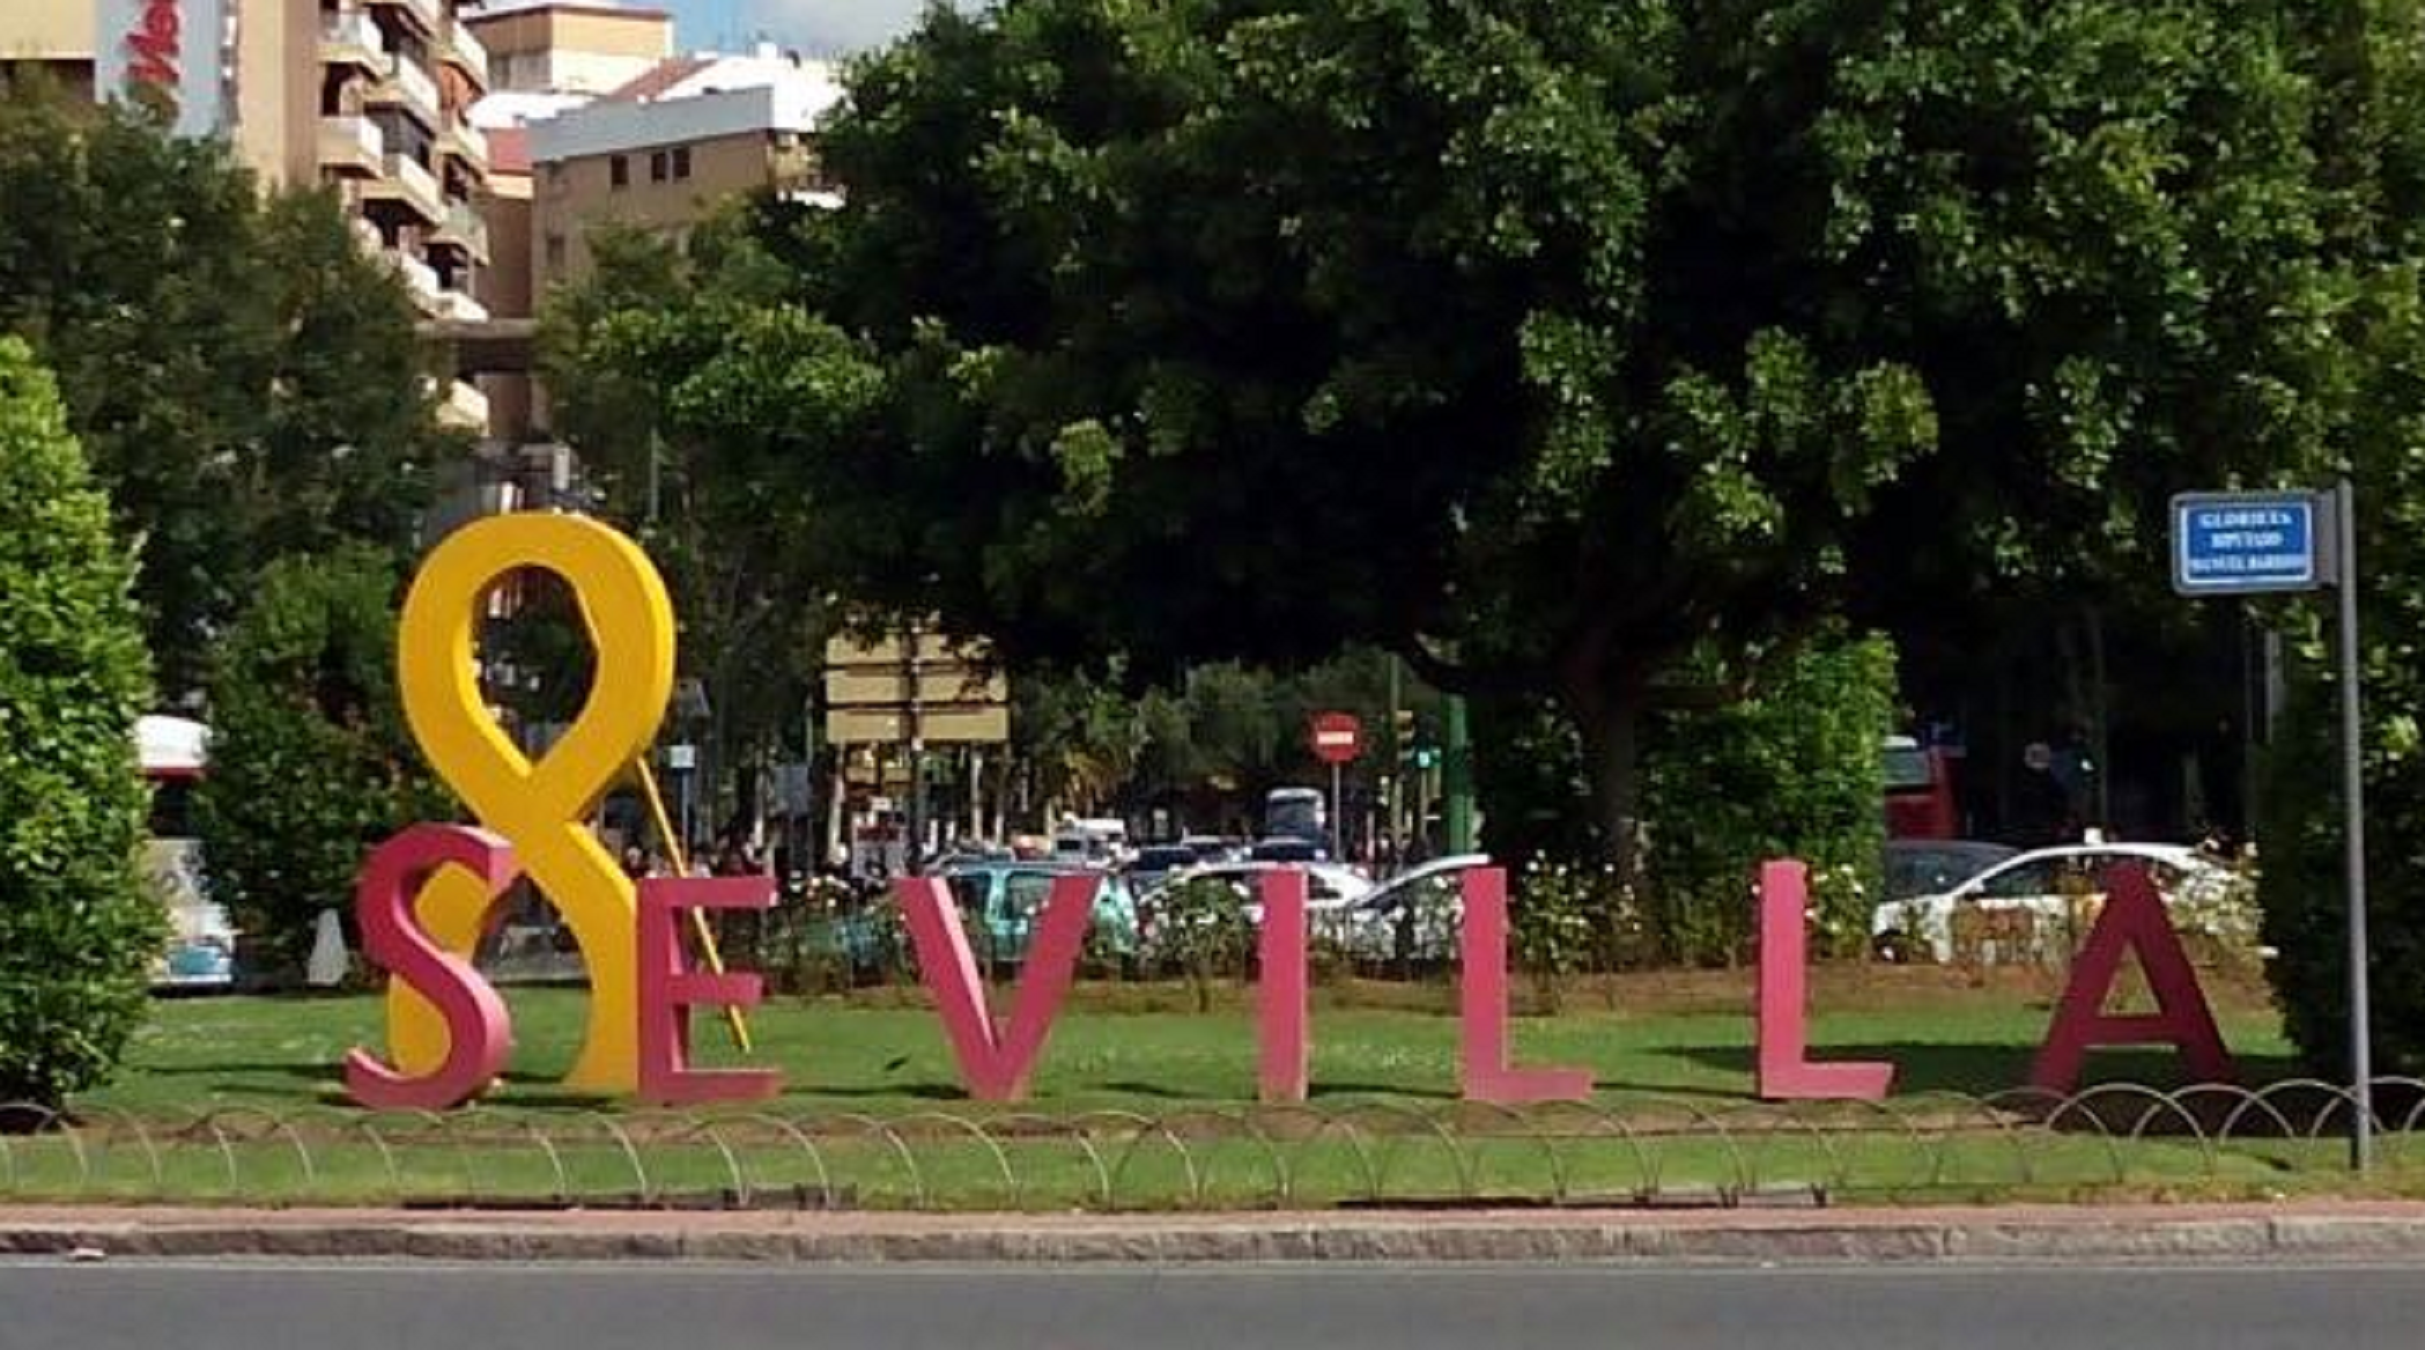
{"type": "Point", "coordinates": [655, 1307]}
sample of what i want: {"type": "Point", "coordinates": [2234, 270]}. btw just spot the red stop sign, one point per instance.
{"type": "Point", "coordinates": [1336, 737]}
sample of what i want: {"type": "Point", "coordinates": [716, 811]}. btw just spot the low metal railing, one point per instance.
{"type": "Point", "coordinates": [1616, 1150]}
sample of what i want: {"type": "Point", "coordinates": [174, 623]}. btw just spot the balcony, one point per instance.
{"type": "Point", "coordinates": [466, 53]}
{"type": "Point", "coordinates": [421, 14]}
{"type": "Point", "coordinates": [419, 277]}
{"type": "Point", "coordinates": [405, 83]}
{"type": "Point", "coordinates": [349, 38]}
{"type": "Point", "coordinates": [406, 182]}
{"type": "Point", "coordinates": [462, 228]}
{"type": "Point", "coordinates": [352, 146]}
{"type": "Point", "coordinates": [457, 307]}
{"type": "Point", "coordinates": [463, 407]}
{"type": "Point", "coordinates": [467, 143]}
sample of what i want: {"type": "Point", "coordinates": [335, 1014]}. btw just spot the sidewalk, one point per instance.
{"type": "Point", "coordinates": [2162, 1233]}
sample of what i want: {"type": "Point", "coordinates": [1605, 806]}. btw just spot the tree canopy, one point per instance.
{"type": "Point", "coordinates": [244, 376]}
{"type": "Point", "coordinates": [311, 765]}
{"type": "Point", "coordinates": [1559, 346]}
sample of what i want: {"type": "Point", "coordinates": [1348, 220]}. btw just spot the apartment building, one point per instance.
{"type": "Point", "coordinates": [661, 150]}
{"type": "Point", "coordinates": [368, 96]}
{"type": "Point", "coordinates": [583, 50]}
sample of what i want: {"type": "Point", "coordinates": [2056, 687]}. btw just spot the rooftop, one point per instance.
{"type": "Point", "coordinates": [498, 9]}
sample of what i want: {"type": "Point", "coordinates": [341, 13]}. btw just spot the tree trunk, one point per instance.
{"type": "Point", "coordinates": [1609, 722]}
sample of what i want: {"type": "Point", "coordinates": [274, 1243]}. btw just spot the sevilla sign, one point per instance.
{"type": "Point", "coordinates": [426, 897]}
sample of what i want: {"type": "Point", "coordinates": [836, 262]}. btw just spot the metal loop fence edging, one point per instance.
{"type": "Point", "coordinates": [1154, 1127]}
{"type": "Point", "coordinates": [826, 1197]}
{"type": "Point", "coordinates": [1392, 1144]}
{"type": "Point", "coordinates": [555, 1160]}
{"type": "Point", "coordinates": [962, 1125]}
{"type": "Point", "coordinates": [1107, 1174]}
{"type": "Point", "coordinates": [1528, 1131]}
{"type": "Point", "coordinates": [1778, 1124]}
{"type": "Point", "coordinates": [1328, 1126]}
{"type": "Point", "coordinates": [127, 1121]}
{"type": "Point", "coordinates": [2156, 1103]}
{"type": "Point", "coordinates": [1223, 1125]}
{"type": "Point", "coordinates": [1706, 1126]}
{"type": "Point", "coordinates": [1901, 1120]}
{"type": "Point", "coordinates": [1653, 1146]}
{"type": "Point", "coordinates": [859, 1123]}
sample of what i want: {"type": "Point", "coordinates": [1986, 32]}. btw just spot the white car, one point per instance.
{"type": "Point", "coordinates": [1329, 886]}
{"type": "Point", "coordinates": [1412, 916]}
{"type": "Point", "coordinates": [2047, 883]}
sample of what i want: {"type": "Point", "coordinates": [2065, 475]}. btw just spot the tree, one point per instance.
{"type": "Point", "coordinates": [702, 459]}
{"type": "Point", "coordinates": [311, 763]}
{"type": "Point", "coordinates": [1550, 344]}
{"type": "Point", "coordinates": [77, 929]}
{"type": "Point", "coordinates": [1791, 771]}
{"type": "Point", "coordinates": [245, 377]}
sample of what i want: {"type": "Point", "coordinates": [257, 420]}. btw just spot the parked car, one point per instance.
{"type": "Point", "coordinates": [1282, 849]}
{"type": "Point", "coordinates": [1330, 889]}
{"type": "Point", "coordinates": [2052, 884]}
{"type": "Point", "coordinates": [1328, 885]}
{"type": "Point", "coordinates": [1155, 862]}
{"type": "Point", "coordinates": [1916, 867]}
{"type": "Point", "coordinates": [998, 904]}
{"type": "Point", "coordinates": [1215, 848]}
{"type": "Point", "coordinates": [1411, 917]}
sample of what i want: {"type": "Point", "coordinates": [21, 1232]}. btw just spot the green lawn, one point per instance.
{"type": "Point", "coordinates": [862, 1056]}
{"type": "Point", "coordinates": [1142, 1102]}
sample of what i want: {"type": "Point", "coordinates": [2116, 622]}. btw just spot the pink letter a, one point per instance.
{"type": "Point", "coordinates": [2134, 919]}
{"type": "Point", "coordinates": [995, 1064]}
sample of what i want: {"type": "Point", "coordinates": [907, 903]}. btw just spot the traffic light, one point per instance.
{"type": "Point", "coordinates": [1427, 756]}
{"type": "Point", "coordinates": [1402, 730]}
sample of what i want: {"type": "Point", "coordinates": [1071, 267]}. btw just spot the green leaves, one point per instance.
{"type": "Point", "coordinates": [77, 928]}
{"type": "Point", "coordinates": [311, 764]}
{"type": "Point", "coordinates": [245, 378]}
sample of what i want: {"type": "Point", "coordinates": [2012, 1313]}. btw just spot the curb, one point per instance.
{"type": "Point", "coordinates": [1903, 1236]}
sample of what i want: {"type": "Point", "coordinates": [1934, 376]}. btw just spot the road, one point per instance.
{"type": "Point", "coordinates": [660, 1307]}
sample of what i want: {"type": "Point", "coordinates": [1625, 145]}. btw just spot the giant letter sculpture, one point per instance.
{"type": "Point", "coordinates": [2134, 920]}
{"type": "Point", "coordinates": [1782, 1028]}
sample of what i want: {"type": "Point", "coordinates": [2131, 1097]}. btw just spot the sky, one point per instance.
{"type": "Point", "coordinates": [822, 26]}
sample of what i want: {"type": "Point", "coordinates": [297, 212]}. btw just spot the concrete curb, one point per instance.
{"type": "Point", "coordinates": [2138, 1234]}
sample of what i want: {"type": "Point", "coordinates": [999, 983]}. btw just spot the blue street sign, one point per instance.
{"type": "Point", "coordinates": [2249, 543]}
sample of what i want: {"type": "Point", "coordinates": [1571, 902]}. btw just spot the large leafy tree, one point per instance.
{"type": "Point", "coordinates": [1551, 344]}
{"type": "Point", "coordinates": [76, 926]}
{"type": "Point", "coordinates": [311, 762]}
{"type": "Point", "coordinates": [693, 393]}
{"type": "Point", "coordinates": [244, 376]}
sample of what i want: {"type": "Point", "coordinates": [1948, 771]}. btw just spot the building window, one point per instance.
{"type": "Point", "coordinates": [656, 166]}
{"type": "Point", "coordinates": [555, 253]}
{"type": "Point", "coordinates": [618, 172]}
{"type": "Point", "coordinates": [681, 161]}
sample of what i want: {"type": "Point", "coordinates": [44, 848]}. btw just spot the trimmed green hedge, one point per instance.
{"type": "Point", "coordinates": [77, 927]}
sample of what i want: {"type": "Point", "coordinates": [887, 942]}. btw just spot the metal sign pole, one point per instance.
{"type": "Point", "coordinates": [1338, 816]}
{"type": "Point", "coordinates": [2353, 798]}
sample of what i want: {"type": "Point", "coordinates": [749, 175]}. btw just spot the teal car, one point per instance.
{"type": "Point", "coordinates": [998, 904]}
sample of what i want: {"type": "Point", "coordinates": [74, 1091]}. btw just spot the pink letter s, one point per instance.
{"type": "Point", "coordinates": [478, 1032]}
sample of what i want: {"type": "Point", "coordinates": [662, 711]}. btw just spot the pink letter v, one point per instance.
{"type": "Point", "coordinates": [995, 1064]}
